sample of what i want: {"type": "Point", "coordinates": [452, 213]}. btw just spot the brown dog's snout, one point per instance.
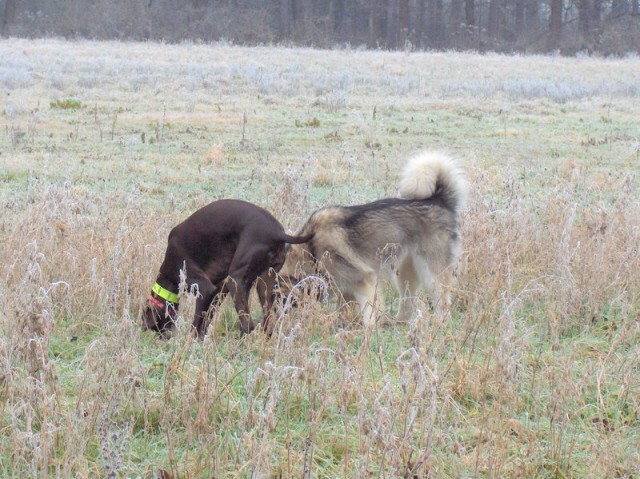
{"type": "Point", "coordinates": [146, 318]}
{"type": "Point", "coordinates": [157, 316]}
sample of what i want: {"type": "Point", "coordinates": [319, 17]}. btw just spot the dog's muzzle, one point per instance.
{"type": "Point", "coordinates": [160, 314]}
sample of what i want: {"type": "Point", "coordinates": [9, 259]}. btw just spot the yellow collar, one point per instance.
{"type": "Point", "coordinates": [165, 294]}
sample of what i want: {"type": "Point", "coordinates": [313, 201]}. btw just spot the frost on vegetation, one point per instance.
{"type": "Point", "coordinates": [138, 75]}
{"type": "Point", "coordinates": [95, 65]}
{"type": "Point", "coordinates": [66, 63]}
{"type": "Point", "coordinates": [56, 80]}
{"type": "Point", "coordinates": [137, 81]}
{"type": "Point", "coordinates": [340, 81]}
{"type": "Point", "coordinates": [15, 73]}
{"type": "Point", "coordinates": [334, 101]}
{"type": "Point", "coordinates": [89, 80]}
{"type": "Point", "coordinates": [398, 85]}
{"type": "Point", "coordinates": [114, 441]}
{"type": "Point", "coordinates": [92, 73]}
{"type": "Point", "coordinates": [536, 88]}
{"type": "Point", "coordinates": [556, 90]}
{"type": "Point", "coordinates": [519, 88]}
{"type": "Point", "coordinates": [195, 75]}
{"type": "Point", "coordinates": [622, 88]}
{"type": "Point", "coordinates": [289, 80]}
{"type": "Point", "coordinates": [270, 83]}
{"type": "Point", "coordinates": [283, 83]}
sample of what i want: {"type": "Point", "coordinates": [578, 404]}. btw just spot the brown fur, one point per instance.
{"type": "Point", "coordinates": [224, 248]}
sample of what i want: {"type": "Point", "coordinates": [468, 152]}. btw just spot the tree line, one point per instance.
{"type": "Point", "coordinates": [528, 26]}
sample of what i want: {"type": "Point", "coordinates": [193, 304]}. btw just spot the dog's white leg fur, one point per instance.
{"type": "Point", "coordinates": [367, 294]}
{"type": "Point", "coordinates": [442, 292]}
{"type": "Point", "coordinates": [432, 283]}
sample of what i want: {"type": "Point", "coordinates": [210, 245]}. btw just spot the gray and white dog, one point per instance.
{"type": "Point", "coordinates": [413, 241]}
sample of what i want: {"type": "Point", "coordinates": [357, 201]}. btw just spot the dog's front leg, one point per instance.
{"type": "Point", "coordinates": [206, 294]}
{"type": "Point", "coordinates": [369, 298]}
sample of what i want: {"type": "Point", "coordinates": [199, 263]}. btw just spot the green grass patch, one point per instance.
{"type": "Point", "coordinates": [66, 104]}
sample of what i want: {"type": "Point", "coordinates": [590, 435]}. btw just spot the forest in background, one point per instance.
{"type": "Point", "coordinates": [607, 27]}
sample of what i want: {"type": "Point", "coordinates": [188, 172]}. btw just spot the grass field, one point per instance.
{"type": "Point", "coordinates": [105, 146]}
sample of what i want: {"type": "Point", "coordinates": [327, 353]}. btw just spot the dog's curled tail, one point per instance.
{"type": "Point", "coordinates": [429, 174]}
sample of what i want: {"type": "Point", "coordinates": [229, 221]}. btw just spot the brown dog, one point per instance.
{"type": "Point", "coordinates": [224, 248]}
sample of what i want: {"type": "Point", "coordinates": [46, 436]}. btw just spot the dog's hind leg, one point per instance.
{"type": "Point", "coordinates": [442, 291]}
{"type": "Point", "coordinates": [406, 283]}
{"type": "Point", "coordinates": [438, 286]}
{"type": "Point", "coordinates": [264, 287]}
{"type": "Point", "coordinates": [248, 263]}
{"type": "Point", "coordinates": [238, 288]}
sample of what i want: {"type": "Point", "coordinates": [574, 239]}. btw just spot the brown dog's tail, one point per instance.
{"type": "Point", "coordinates": [296, 239]}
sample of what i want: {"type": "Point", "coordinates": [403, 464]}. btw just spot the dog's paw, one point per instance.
{"type": "Point", "coordinates": [247, 327]}
{"type": "Point", "coordinates": [267, 325]}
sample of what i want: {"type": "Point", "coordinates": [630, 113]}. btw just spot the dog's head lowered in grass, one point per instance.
{"type": "Point", "coordinates": [413, 241]}
{"type": "Point", "coordinates": [225, 248]}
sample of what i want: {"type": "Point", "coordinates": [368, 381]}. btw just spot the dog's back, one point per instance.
{"type": "Point", "coordinates": [432, 190]}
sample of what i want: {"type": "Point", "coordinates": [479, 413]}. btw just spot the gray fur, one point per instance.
{"type": "Point", "coordinates": [412, 241]}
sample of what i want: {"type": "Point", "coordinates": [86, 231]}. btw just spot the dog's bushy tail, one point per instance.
{"type": "Point", "coordinates": [430, 174]}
